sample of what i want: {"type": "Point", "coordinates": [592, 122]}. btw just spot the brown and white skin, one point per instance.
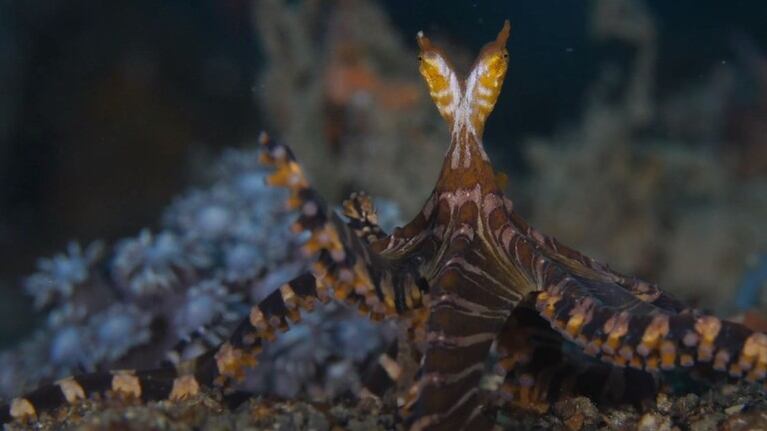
{"type": "Point", "coordinates": [466, 274]}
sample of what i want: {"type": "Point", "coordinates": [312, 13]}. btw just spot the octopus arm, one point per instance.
{"type": "Point", "coordinates": [610, 323]}
{"type": "Point", "coordinates": [585, 266]}
{"type": "Point", "coordinates": [537, 366]}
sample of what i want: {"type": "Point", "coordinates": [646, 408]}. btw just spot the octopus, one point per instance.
{"type": "Point", "coordinates": [468, 279]}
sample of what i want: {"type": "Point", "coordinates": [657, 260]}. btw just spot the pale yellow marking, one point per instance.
{"type": "Point", "coordinates": [581, 314]}
{"type": "Point", "coordinates": [389, 301]}
{"type": "Point", "coordinates": [574, 324]}
{"type": "Point", "coordinates": [184, 387]}
{"type": "Point", "coordinates": [721, 359]}
{"type": "Point", "coordinates": [546, 304]}
{"type": "Point", "coordinates": [288, 296]}
{"type": "Point", "coordinates": [232, 362]}
{"type": "Point", "coordinates": [626, 352]}
{"type": "Point", "coordinates": [708, 327]}
{"type": "Point", "coordinates": [667, 354]}
{"type": "Point", "coordinates": [257, 319]}
{"type": "Point", "coordinates": [288, 175]}
{"type": "Point", "coordinates": [125, 383]}
{"type": "Point", "coordinates": [415, 294]}
{"type": "Point", "coordinates": [322, 288]}
{"type": "Point", "coordinates": [327, 238]}
{"type": "Point", "coordinates": [390, 366]}
{"type": "Point", "coordinates": [655, 331]}
{"type": "Point", "coordinates": [408, 302]}
{"type": "Point", "coordinates": [22, 409]}
{"type": "Point", "coordinates": [616, 327]}
{"type": "Point", "coordinates": [754, 350]}
{"type": "Point", "coordinates": [71, 389]}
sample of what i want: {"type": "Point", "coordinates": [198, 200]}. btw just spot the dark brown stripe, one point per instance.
{"type": "Point", "coordinates": [95, 382]}
{"type": "Point", "coordinates": [273, 305]}
{"type": "Point", "coordinates": [47, 397]}
{"type": "Point", "coordinates": [448, 406]}
{"type": "Point", "coordinates": [156, 384]}
{"type": "Point", "coordinates": [376, 379]}
{"type": "Point", "coordinates": [238, 338]}
{"type": "Point", "coordinates": [304, 285]}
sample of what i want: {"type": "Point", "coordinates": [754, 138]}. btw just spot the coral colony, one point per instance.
{"type": "Point", "coordinates": [173, 294]}
{"type": "Point", "coordinates": [467, 279]}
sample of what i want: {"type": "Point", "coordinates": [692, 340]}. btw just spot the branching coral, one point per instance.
{"type": "Point", "coordinates": [151, 263]}
{"type": "Point", "coordinates": [204, 303]}
{"type": "Point", "coordinates": [118, 329]}
{"type": "Point", "coordinates": [57, 277]}
{"type": "Point", "coordinates": [104, 306]}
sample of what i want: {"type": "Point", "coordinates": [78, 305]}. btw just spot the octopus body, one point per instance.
{"type": "Point", "coordinates": [466, 277]}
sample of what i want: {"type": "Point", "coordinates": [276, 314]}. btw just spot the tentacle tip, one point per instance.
{"type": "Point", "coordinates": [423, 42]}
{"type": "Point", "coordinates": [503, 35]}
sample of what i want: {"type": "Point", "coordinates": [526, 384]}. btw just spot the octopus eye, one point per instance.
{"type": "Point", "coordinates": [420, 59]}
{"type": "Point", "coordinates": [505, 55]}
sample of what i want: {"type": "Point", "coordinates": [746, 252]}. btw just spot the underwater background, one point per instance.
{"type": "Point", "coordinates": [131, 206]}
